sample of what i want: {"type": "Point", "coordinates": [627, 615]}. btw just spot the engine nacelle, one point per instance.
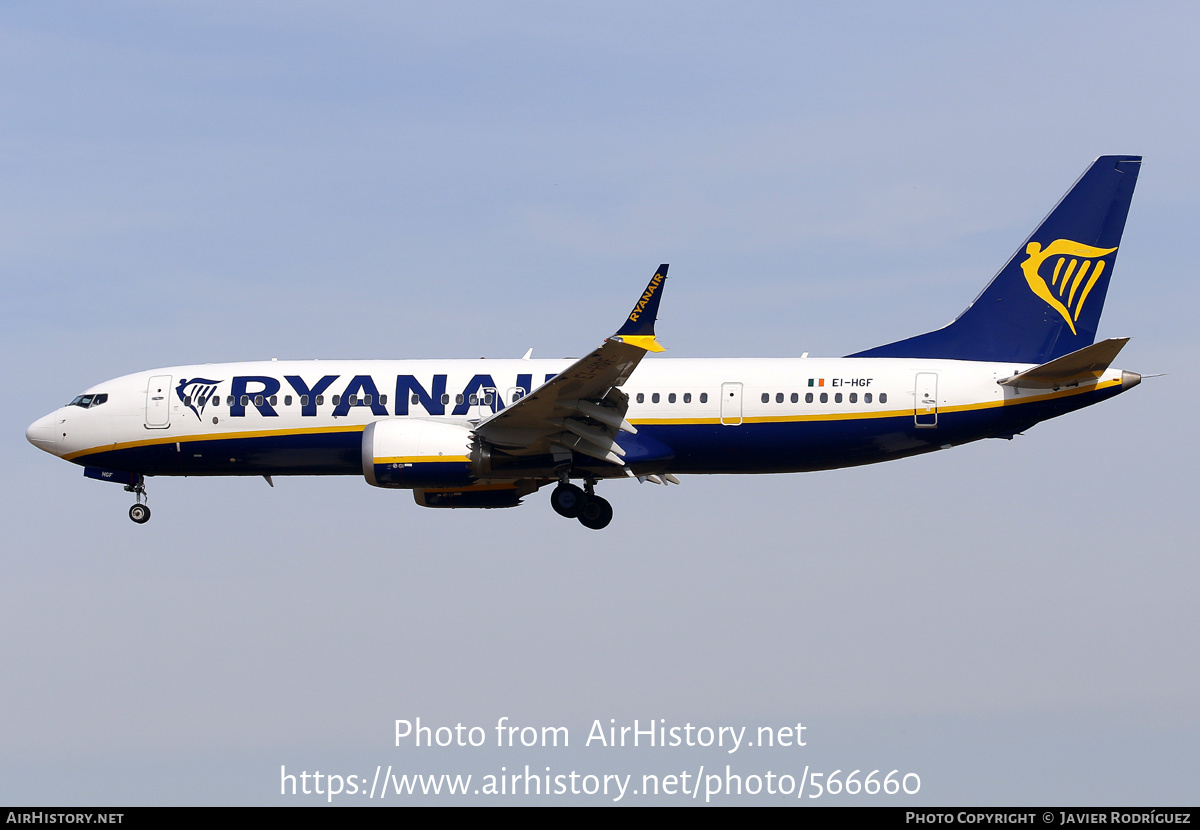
{"type": "Point", "coordinates": [415, 452]}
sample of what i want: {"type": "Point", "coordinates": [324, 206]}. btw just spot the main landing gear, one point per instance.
{"type": "Point", "coordinates": [140, 512]}
{"type": "Point", "coordinates": [573, 502]}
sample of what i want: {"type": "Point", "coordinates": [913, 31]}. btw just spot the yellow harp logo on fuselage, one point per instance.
{"type": "Point", "coordinates": [1070, 283]}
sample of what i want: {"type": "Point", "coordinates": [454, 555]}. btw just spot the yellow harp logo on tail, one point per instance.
{"type": "Point", "coordinates": [1070, 283]}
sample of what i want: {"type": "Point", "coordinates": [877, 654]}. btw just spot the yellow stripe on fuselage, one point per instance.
{"type": "Point", "coordinates": [221, 436]}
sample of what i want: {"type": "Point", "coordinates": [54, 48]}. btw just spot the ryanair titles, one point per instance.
{"type": "Point", "coordinates": [262, 393]}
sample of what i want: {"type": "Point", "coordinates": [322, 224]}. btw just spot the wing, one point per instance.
{"type": "Point", "coordinates": [583, 408]}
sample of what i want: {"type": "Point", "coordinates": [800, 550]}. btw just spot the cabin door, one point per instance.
{"type": "Point", "coordinates": [158, 390]}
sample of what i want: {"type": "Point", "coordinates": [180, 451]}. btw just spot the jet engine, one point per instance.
{"type": "Point", "coordinates": [415, 452]}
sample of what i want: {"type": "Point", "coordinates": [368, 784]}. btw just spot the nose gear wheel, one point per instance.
{"type": "Point", "coordinates": [140, 512]}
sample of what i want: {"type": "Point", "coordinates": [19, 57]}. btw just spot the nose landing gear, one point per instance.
{"type": "Point", "coordinates": [140, 512]}
{"type": "Point", "coordinates": [571, 502]}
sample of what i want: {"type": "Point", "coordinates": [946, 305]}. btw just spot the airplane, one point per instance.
{"type": "Point", "coordinates": [487, 433]}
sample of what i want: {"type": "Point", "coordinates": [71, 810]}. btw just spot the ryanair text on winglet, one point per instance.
{"type": "Point", "coordinates": [655, 283]}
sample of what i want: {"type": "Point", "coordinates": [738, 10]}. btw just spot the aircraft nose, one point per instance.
{"type": "Point", "coordinates": [43, 433]}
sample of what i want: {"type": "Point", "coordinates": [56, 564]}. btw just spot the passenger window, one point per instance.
{"type": "Point", "coordinates": [474, 400]}
{"type": "Point", "coordinates": [867, 398]}
{"type": "Point", "coordinates": [853, 397]}
{"type": "Point", "coordinates": [287, 400]}
{"type": "Point", "coordinates": [458, 399]}
{"type": "Point", "coordinates": [274, 400]}
{"type": "Point", "coordinates": [778, 397]}
{"type": "Point", "coordinates": [187, 400]}
{"type": "Point", "coordinates": [304, 400]}
{"type": "Point", "coordinates": [352, 400]}
{"type": "Point", "coordinates": [487, 399]}
{"type": "Point", "coordinates": [416, 399]}
{"type": "Point", "coordinates": [671, 398]}
{"type": "Point", "coordinates": [641, 398]}
{"type": "Point", "coordinates": [445, 399]}
{"type": "Point", "coordinates": [687, 397]}
{"type": "Point", "coordinates": [883, 397]}
{"type": "Point", "coordinates": [337, 399]}
{"type": "Point", "coordinates": [654, 398]}
{"type": "Point", "coordinates": [229, 401]}
{"type": "Point", "coordinates": [258, 400]}
{"type": "Point", "coordinates": [382, 400]}
{"type": "Point", "coordinates": [837, 398]}
{"type": "Point", "coordinates": [824, 397]}
{"type": "Point", "coordinates": [808, 397]}
{"type": "Point", "coordinates": [703, 397]}
{"type": "Point", "coordinates": [321, 399]}
{"type": "Point", "coordinates": [766, 397]}
{"type": "Point", "coordinates": [245, 400]}
{"type": "Point", "coordinates": [795, 398]}
{"type": "Point", "coordinates": [367, 399]}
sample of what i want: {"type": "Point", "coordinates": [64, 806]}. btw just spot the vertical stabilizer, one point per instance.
{"type": "Point", "coordinates": [1046, 301]}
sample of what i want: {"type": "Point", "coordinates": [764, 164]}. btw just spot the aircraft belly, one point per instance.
{"type": "Point", "coordinates": [782, 447]}
{"type": "Point", "coordinates": [305, 453]}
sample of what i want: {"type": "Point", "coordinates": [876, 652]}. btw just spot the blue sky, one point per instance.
{"type": "Point", "coordinates": [1015, 621]}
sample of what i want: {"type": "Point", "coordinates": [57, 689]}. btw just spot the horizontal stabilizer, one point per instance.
{"type": "Point", "coordinates": [1082, 366]}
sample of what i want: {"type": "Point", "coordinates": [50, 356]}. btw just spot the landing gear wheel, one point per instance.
{"type": "Point", "coordinates": [567, 500]}
{"type": "Point", "coordinates": [140, 513]}
{"type": "Point", "coordinates": [596, 513]}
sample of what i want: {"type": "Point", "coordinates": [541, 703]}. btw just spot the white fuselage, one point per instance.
{"type": "Point", "coordinates": [768, 410]}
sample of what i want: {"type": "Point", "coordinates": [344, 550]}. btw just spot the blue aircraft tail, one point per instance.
{"type": "Point", "coordinates": [1046, 301]}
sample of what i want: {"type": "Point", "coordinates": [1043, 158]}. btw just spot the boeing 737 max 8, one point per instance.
{"type": "Point", "coordinates": [470, 433]}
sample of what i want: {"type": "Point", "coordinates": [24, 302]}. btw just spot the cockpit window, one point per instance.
{"type": "Point", "coordinates": [87, 401]}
